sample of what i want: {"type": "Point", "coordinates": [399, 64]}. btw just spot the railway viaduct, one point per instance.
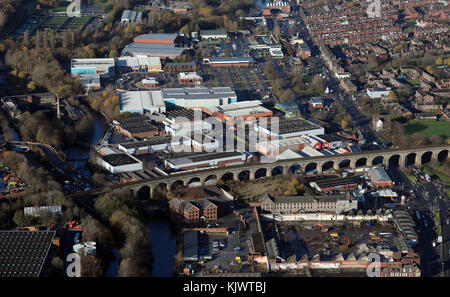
{"type": "Point", "coordinates": [321, 164]}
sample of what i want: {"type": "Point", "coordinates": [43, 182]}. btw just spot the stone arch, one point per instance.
{"type": "Point", "coordinates": [143, 193]}
{"type": "Point", "coordinates": [410, 159]}
{"type": "Point", "coordinates": [378, 160]}
{"type": "Point", "coordinates": [345, 164]}
{"type": "Point", "coordinates": [277, 170]}
{"type": "Point", "coordinates": [177, 184]}
{"type": "Point", "coordinates": [227, 176]}
{"type": "Point", "coordinates": [159, 191]}
{"type": "Point", "coordinates": [328, 166]}
{"type": "Point", "coordinates": [311, 168]}
{"type": "Point", "coordinates": [394, 160]}
{"type": "Point", "coordinates": [244, 175]}
{"type": "Point", "coordinates": [261, 172]}
{"type": "Point", "coordinates": [194, 182]}
{"type": "Point", "coordinates": [361, 162]}
{"type": "Point", "coordinates": [426, 157]}
{"type": "Point", "coordinates": [442, 155]}
{"type": "Point", "coordinates": [295, 169]}
{"type": "Point", "coordinates": [211, 180]}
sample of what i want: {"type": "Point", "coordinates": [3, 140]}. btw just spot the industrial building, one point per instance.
{"type": "Point", "coordinates": [154, 45]}
{"type": "Point", "coordinates": [23, 253]}
{"type": "Point", "coordinates": [136, 126]}
{"type": "Point", "coordinates": [200, 160]}
{"type": "Point", "coordinates": [138, 64]}
{"type": "Point", "coordinates": [141, 102]}
{"type": "Point", "coordinates": [335, 184]}
{"type": "Point", "coordinates": [303, 204]}
{"type": "Point", "coordinates": [131, 16]}
{"type": "Point", "coordinates": [154, 144]}
{"type": "Point", "coordinates": [228, 61]}
{"type": "Point", "coordinates": [291, 127]}
{"type": "Point", "coordinates": [213, 34]}
{"type": "Point", "coordinates": [242, 110]}
{"type": "Point", "coordinates": [104, 66]}
{"type": "Point", "coordinates": [379, 177]}
{"type": "Point", "coordinates": [199, 97]}
{"type": "Point", "coordinates": [116, 161]}
{"type": "Point", "coordinates": [293, 143]}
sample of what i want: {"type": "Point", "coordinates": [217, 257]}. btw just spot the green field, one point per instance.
{"type": "Point", "coordinates": [429, 128]}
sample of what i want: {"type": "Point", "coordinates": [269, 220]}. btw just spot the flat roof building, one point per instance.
{"type": "Point", "coordinates": [281, 145]}
{"type": "Point", "coordinates": [137, 126]}
{"type": "Point", "coordinates": [243, 109]}
{"type": "Point", "coordinates": [141, 102]}
{"type": "Point", "coordinates": [118, 162]}
{"type": "Point", "coordinates": [378, 92]}
{"type": "Point", "coordinates": [379, 177]}
{"type": "Point", "coordinates": [199, 160]}
{"type": "Point", "coordinates": [139, 63]}
{"type": "Point", "coordinates": [213, 34]}
{"type": "Point", "coordinates": [199, 97]}
{"type": "Point", "coordinates": [155, 143]}
{"type": "Point", "coordinates": [153, 50]}
{"type": "Point", "coordinates": [92, 66]}
{"type": "Point", "coordinates": [291, 127]}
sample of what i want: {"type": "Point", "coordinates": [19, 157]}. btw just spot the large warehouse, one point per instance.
{"type": "Point", "coordinates": [92, 66]}
{"type": "Point", "coordinates": [138, 64]}
{"type": "Point", "coordinates": [243, 110]}
{"type": "Point", "coordinates": [141, 102]}
{"type": "Point", "coordinates": [199, 97]}
{"type": "Point", "coordinates": [154, 45]}
{"type": "Point", "coordinates": [155, 101]}
{"type": "Point", "coordinates": [291, 127]}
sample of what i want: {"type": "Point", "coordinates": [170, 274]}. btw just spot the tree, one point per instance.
{"type": "Point", "coordinates": [19, 218]}
{"type": "Point", "coordinates": [438, 61]}
{"type": "Point", "coordinates": [91, 266]}
{"type": "Point", "coordinates": [435, 139]}
{"type": "Point", "coordinates": [393, 96]}
{"type": "Point", "coordinates": [287, 96]}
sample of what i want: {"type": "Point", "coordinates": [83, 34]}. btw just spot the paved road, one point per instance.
{"type": "Point", "coordinates": [344, 98]}
{"type": "Point", "coordinates": [429, 256]}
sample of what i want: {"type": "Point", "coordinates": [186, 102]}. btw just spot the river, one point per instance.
{"type": "Point", "coordinates": [78, 157]}
{"type": "Point", "coordinates": [163, 245]}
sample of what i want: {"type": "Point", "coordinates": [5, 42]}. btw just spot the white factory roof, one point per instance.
{"type": "Point", "coordinates": [153, 49]}
{"type": "Point", "coordinates": [135, 101]}
{"type": "Point", "coordinates": [139, 60]}
{"type": "Point", "coordinates": [288, 154]}
{"type": "Point", "coordinates": [97, 62]}
{"type": "Point", "coordinates": [42, 210]}
{"type": "Point", "coordinates": [198, 93]}
{"type": "Point", "coordinates": [384, 193]}
{"type": "Point", "coordinates": [242, 108]}
{"type": "Point", "coordinates": [189, 75]}
{"type": "Point", "coordinates": [284, 142]}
